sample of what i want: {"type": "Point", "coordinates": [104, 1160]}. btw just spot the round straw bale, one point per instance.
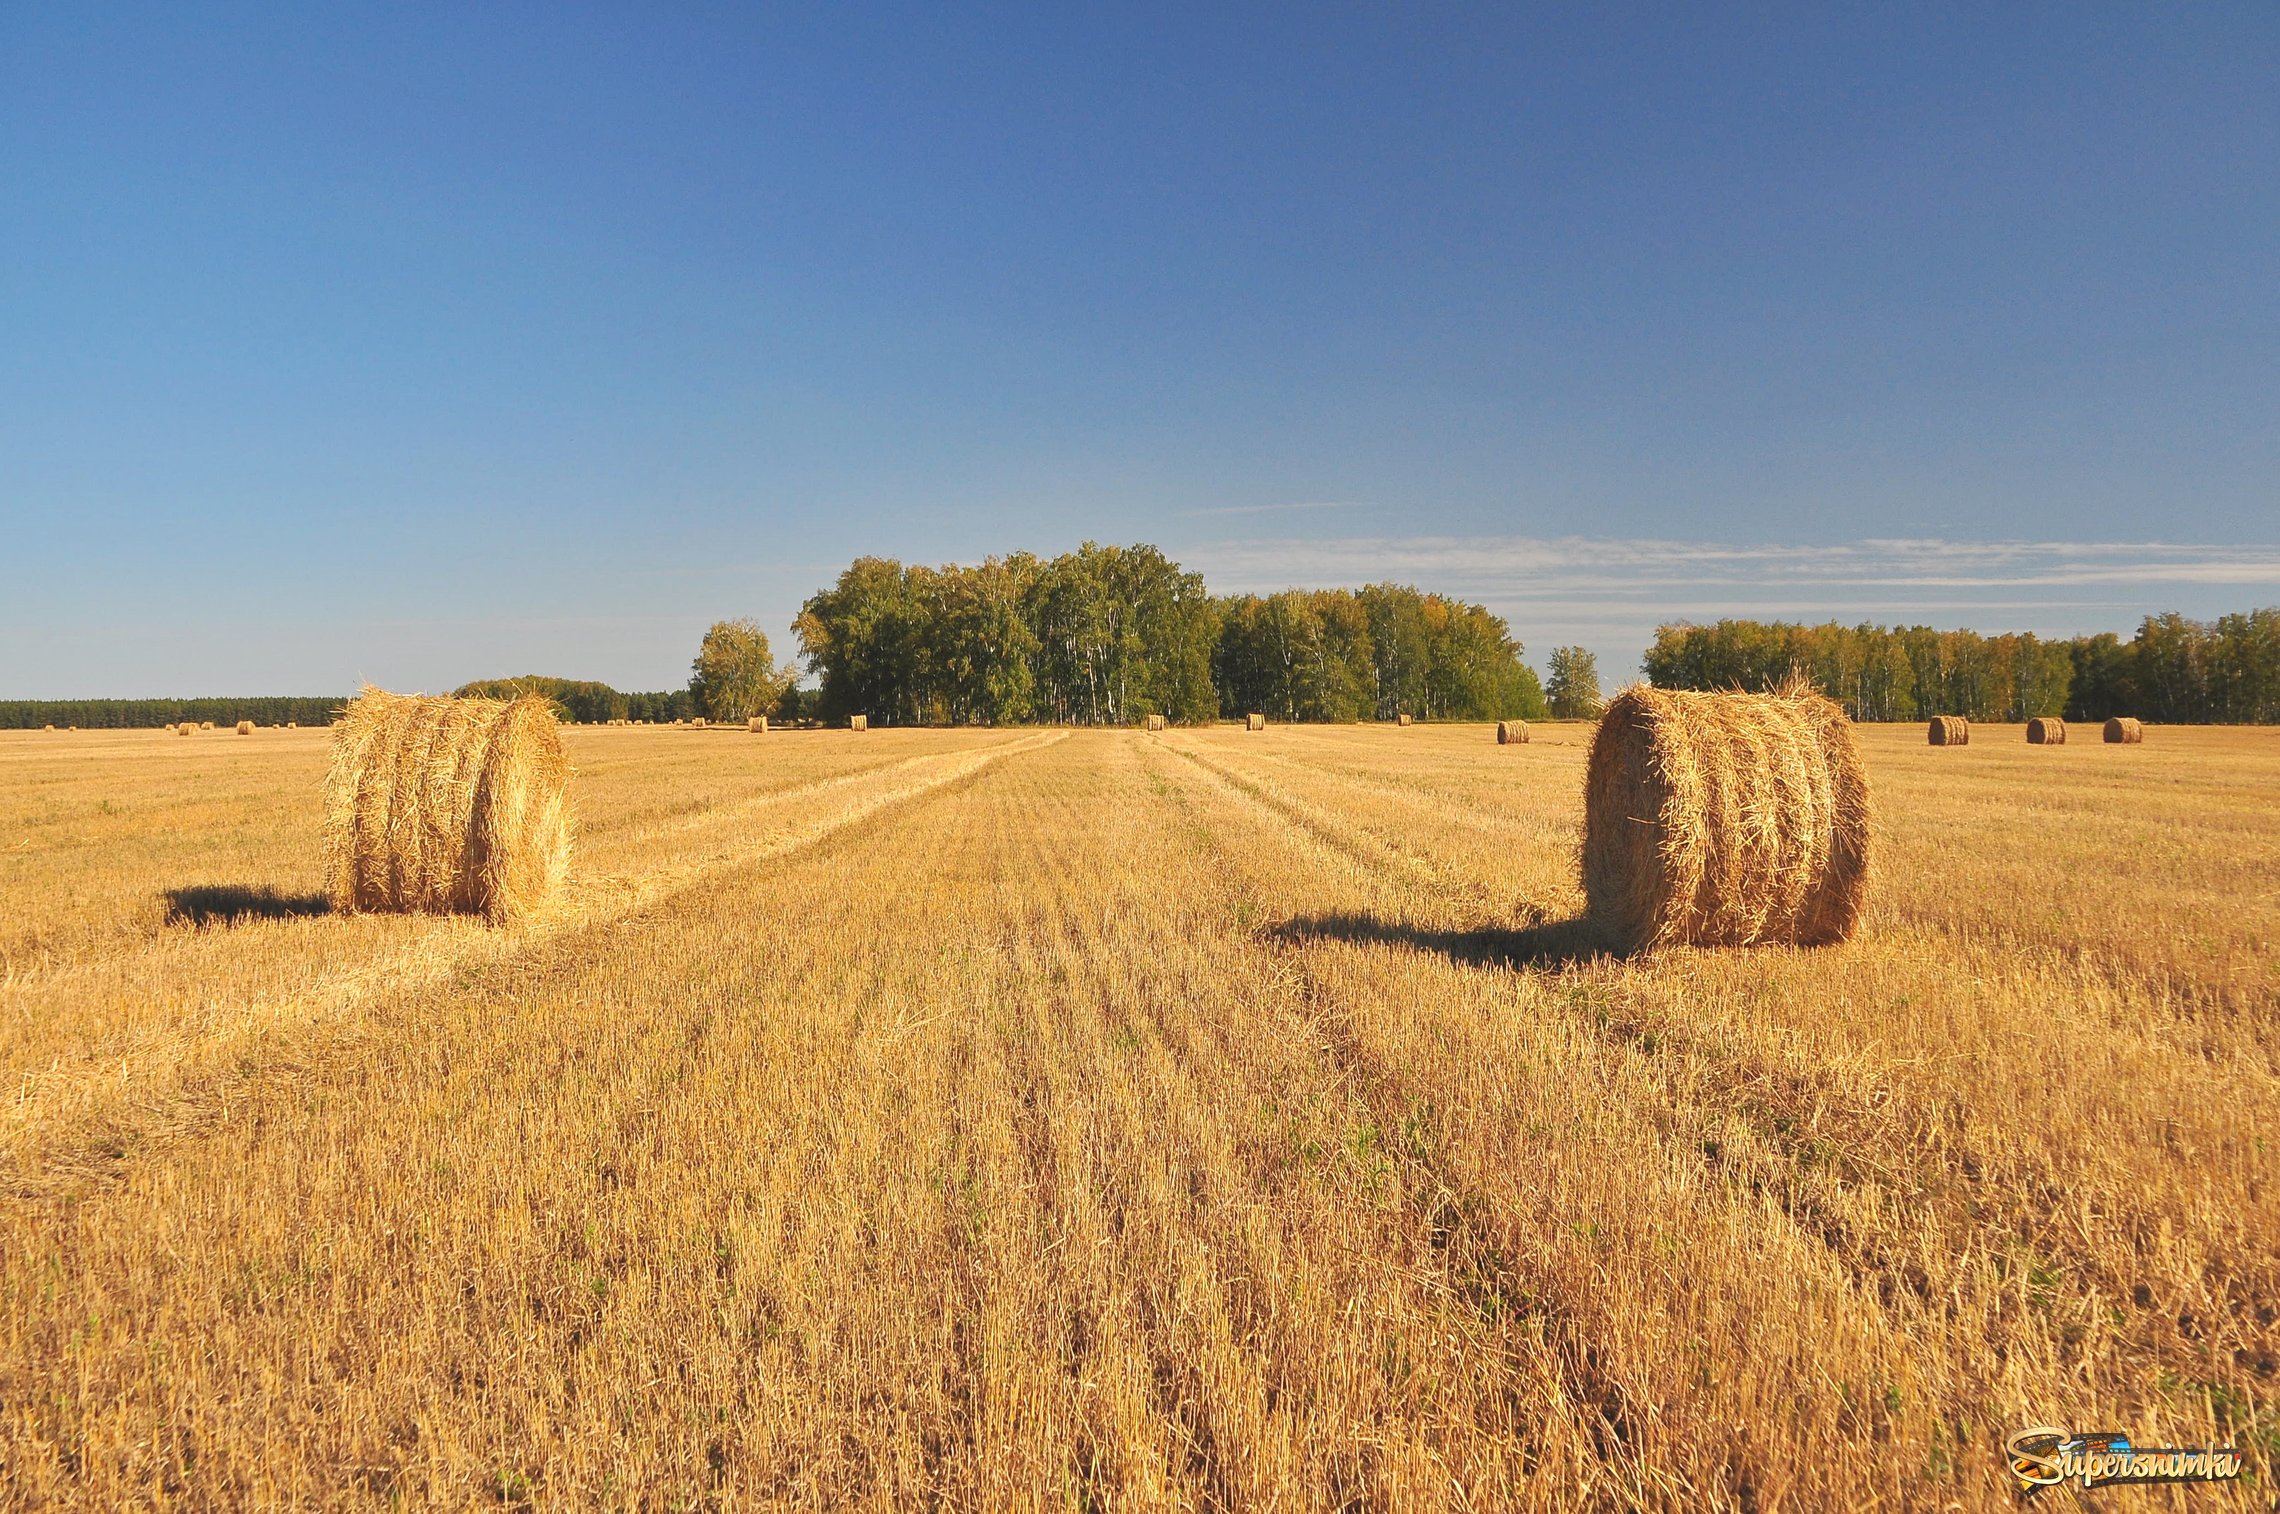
{"type": "Point", "coordinates": [205, 725]}
{"type": "Point", "coordinates": [757, 723]}
{"type": "Point", "coordinates": [2046, 730]}
{"type": "Point", "coordinates": [47, 727]}
{"type": "Point", "coordinates": [1254, 722]}
{"type": "Point", "coordinates": [2125, 730]}
{"type": "Point", "coordinates": [1155, 722]}
{"type": "Point", "coordinates": [1950, 730]}
{"type": "Point", "coordinates": [858, 722]}
{"type": "Point", "coordinates": [1511, 732]}
{"type": "Point", "coordinates": [1401, 719]}
{"type": "Point", "coordinates": [245, 728]}
{"type": "Point", "coordinates": [292, 725]}
{"type": "Point", "coordinates": [442, 805]}
{"type": "Point", "coordinates": [1725, 820]}
{"type": "Point", "coordinates": [185, 728]}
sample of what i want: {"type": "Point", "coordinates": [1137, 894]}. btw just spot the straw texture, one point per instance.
{"type": "Point", "coordinates": [1254, 722]}
{"type": "Point", "coordinates": [2125, 730]}
{"type": "Point", "coordinates": [1725, 820]}
{"type": "Point", "coordinates": [1949, 730]}
{"type": "Point", "coordinates": [2046, 730]}
{"type": "Point", "coordinates": [1511, 732]}
{"type": "Point", "coordinates": [438, 805]}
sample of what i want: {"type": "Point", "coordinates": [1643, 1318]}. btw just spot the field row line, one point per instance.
{"type": "Point", "coordinates": [85, 1113]}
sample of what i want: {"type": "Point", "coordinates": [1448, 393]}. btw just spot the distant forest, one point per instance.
{"type": "Point", "coordinates": [1108, 635]}
{"type": "Point", "coordinates": [2174, 671]}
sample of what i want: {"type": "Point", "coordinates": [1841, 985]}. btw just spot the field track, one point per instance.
{"type": "Point", "coordinates": [1103, 1120]}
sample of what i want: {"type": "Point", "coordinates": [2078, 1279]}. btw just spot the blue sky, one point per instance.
{"type": "Point", "coordinates": [419, 345]}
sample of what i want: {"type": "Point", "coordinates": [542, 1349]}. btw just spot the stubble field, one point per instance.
{"type": "Point", "coordinates": [1103, 1120]}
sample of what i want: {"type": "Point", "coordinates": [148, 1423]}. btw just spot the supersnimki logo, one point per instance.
{"type": "Point", "coordinates": [2044, 1456]}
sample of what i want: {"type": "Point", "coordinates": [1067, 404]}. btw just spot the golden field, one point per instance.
{"type": "Point", "coordinates": [1091, 1120]}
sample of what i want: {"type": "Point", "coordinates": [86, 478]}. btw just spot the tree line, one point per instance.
{"type": "Point", "coordinates": [2174, 671]}
{"type": "Point", "coordinates": [1108, 635]}
{"type": "Point", "coordinates": [125, 714]}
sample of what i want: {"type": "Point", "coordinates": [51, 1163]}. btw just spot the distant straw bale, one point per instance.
{"type": "Point", "coordinates": [185, 728]}
{"type": "Point", "coordinates": [1725, 820]}
{"type": "Point", "coordinates": [1254, 722]}
{"type": "Point", "coordinates": [245, 728]}
{"type": "Point", "coordinates": [440, 805]}
{"type": "Point", "coordinates": [1511, 732]}
{"type": "Point", "coordinates": [205, 725]}
{"type": "Point", "coordinates": [47, 727]}
{"type": "Point", "coordinates": [1949, 730]}
{"type": "Point", "coordinates": [757, 723]}
{"type": "Point", "coordinates": [1155, 722]}
{"type": "Point", "coordinates": [292, 725]}
{"type": "Point", "coordinates": [858, 722]}
{"type": "Point", "coordinates": [2125, 730]}
{"type": "Point", "coordinates": [1402, 719]}
{"type": "Point", "coordinates": [2046, 730]}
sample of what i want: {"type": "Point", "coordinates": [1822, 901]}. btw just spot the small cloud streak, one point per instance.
{"type": "Point", "coordinates": [1269, 509]}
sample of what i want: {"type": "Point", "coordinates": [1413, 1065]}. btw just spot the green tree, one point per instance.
{"type": "Point", "coordinates": [735, 676]}
{"type": "Point", "coordinates": [1573, 689]}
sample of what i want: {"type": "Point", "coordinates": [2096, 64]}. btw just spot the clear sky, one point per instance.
{"type": "Point", "coordinates": [421, 344]}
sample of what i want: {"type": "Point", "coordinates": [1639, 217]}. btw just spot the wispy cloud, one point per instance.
{"type": "Point", "coordinates": [1312, 504]}
{"type": "Point", "coordinates": [1533, 566]}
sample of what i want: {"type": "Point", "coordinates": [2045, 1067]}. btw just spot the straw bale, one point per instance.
{"type": "Point", "coordinates": [441, 805]}
{"type": "Point", "coordinates": [1725, 820]}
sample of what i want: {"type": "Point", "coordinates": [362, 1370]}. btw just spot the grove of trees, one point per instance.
{"type": "Point", "coordinates": [1573, 690]}
{"type": "Point", "coordinates": [1106, 635]}
{"type": "Point", "coordinates": [2174, 671]}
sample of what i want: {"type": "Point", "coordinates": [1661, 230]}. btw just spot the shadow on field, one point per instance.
{"type": "Point", "coordinates": [228, 903]}
{"type": "Point", "coordinates": [1550, 944]}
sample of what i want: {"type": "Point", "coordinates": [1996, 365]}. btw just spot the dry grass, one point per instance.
{"type": "Point", "coordinates": [446, 805]}
{"type": "Point", "coordinates": [2123, 730]}
{"type": "Point", "coordinates": [998, 1120]}
{"type": "Point", "coordinates": [1949, 730]}
{"type": "Point", "coordinates": [1725, 820]}
{"type": "Point", "coordinates": [2046, 730]}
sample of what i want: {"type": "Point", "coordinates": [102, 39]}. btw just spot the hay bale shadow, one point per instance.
{"type": "Point", "coordinates": [1551, 945]}
{"type": "Point", "coordinates": [228, 903]}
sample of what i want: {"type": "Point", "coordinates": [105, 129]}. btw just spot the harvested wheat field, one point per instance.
{"type": "Point", "coordinates": [1046, 1119]}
